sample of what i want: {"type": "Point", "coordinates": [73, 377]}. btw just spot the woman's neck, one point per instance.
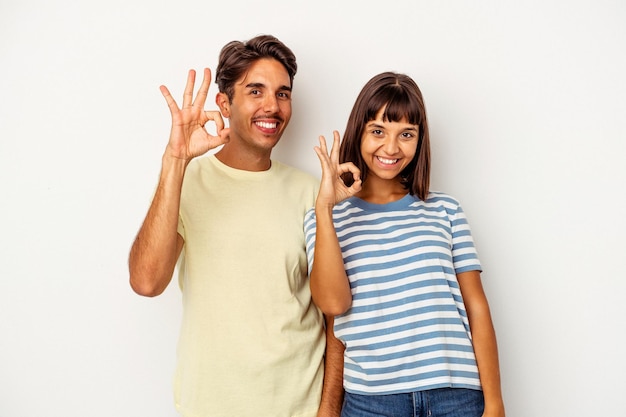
{"type": "Point", "coordinates": [379, 191]}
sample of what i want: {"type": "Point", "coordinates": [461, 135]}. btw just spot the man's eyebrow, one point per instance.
{"type": "Point", "coordinates": [261, 85]}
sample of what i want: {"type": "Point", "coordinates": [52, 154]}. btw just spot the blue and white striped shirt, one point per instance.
{"type": "Point", "coordinates": [407, 329]}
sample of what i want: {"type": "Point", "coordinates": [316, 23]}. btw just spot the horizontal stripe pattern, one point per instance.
{"type": "Point", "coordinates": [407, 328]}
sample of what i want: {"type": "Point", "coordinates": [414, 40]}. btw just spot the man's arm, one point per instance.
{"type": "Point", "coordinates": [156, 249]}
{"type": "Point", "coordinates": [157, 246]}
{"type": "Point", "coordinates": [332, 392]}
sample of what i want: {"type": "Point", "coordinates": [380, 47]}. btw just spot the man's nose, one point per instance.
{"type": "Point", "coordinates": [270, 104]}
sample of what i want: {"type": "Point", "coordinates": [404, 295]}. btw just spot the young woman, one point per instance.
{"type": "Point", "coordinates": [395, 265]}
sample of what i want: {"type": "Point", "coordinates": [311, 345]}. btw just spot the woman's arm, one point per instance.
{"type": "Point", "coordinates": [330, 287]}
{"type": "Point", "coordinates": [484, 340]}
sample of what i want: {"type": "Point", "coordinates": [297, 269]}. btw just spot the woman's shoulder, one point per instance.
{"type": "Point", "coordinates": [441, 197]}
{"type": "Point", "coordinates": [441, 201]}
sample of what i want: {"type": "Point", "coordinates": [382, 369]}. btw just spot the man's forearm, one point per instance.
{"type": "Point", "coordinates": [156, 248]}
{"type": "Point", "coordinates": [332, 392]}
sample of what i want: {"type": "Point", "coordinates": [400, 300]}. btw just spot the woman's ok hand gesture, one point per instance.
{"type": "Point", "coordinates": [332, 188]}
{"type": "Point", "coordinates": [188, 137]}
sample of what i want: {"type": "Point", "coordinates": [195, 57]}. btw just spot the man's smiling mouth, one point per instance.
{"type": "Point", "coordinates": [267, 125]}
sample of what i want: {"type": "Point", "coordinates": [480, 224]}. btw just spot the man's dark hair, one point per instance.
{"type": "Point", "coordinates": [236, 58]}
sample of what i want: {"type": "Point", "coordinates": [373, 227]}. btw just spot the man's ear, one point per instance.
{"type": "Point", "coordinates": [222, 101]}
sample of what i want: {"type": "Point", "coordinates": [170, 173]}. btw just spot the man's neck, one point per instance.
{"type": "Point", "coordinates": [243, 159]}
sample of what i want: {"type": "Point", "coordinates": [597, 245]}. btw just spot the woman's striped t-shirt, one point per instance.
{"type": "Point", "coordinates": [407, 329]}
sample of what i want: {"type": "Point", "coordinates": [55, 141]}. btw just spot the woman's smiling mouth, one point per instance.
{"type": "Point", "coordinates": [386, 161]}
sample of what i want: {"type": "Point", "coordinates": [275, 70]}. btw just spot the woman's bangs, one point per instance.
{"type": "Point", "coordinates": [400, 105]}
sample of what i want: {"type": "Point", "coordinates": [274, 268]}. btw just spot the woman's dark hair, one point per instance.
{"type": "Point", "coordinates": [402, 99]}
{"type": "Point", "coordinates": [236, 58]}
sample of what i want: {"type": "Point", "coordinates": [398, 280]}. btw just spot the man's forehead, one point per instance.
{"type": "Point", "coordinates": [266, 72]}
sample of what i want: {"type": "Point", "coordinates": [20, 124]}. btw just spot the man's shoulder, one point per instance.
{"type": "Point", "coordinates": [294, 173]}
{"type": "Point", "coordinates": [199, 163]}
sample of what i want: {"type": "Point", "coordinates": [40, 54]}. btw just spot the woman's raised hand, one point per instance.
{"type": "Point", "coordinates": [188, 137]}
{"type": "Point", "coordinates": [332, 188]}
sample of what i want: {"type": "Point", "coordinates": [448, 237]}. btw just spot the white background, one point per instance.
{"type": "Point", "coordinates": [527, 108]}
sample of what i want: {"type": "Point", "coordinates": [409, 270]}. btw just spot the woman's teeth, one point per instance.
{"type": "Point", "coordinates": [387, 161]}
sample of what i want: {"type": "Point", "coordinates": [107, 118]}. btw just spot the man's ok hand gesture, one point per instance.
{"type": "Point", "coordinates": [188, 137]}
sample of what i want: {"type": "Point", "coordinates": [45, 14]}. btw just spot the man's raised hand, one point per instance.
{"type": "Point", "coordinates": [188, 136]}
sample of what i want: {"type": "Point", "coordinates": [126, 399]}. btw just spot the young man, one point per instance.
{"type": "Point", "coordinates": [252, 342]}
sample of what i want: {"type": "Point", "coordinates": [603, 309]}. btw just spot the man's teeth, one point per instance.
{"type": "Point", "coordinates": [267, 125]}
{"type": "Point", "coordinates": [387, 161]}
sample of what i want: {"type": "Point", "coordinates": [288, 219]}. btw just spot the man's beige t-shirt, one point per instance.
{"type": "Point", "coordinates": [251, 341]}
